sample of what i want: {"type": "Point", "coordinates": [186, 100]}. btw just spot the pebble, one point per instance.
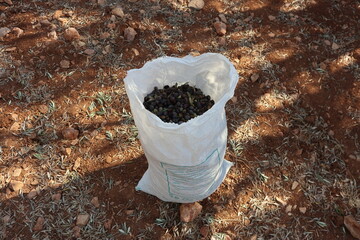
{"type": "Point", "coordinates": [294, 185]}
{"type": "Point", "coordinates": [6, 219]}
{"type": "Point", "coordinates": [70, 133]}
{"type": "Point", "coordinates": [65, 64]}
{"type": "Point", "coordinates": [71, 34]}
{"type": "Point", "coordinates": [39, 224]}
{"type": "Point", "coordinates": [32, 194]}
{"type": "Point", "coordinates": [82, 219]}
{"type": "Point", "coordinates": [335, 46]}
{"type": "Point", "coordinates": [4, 31]}
{"type": "Point", "coordinates": [58, 14]}
{"type": "Point", "coordinates": [43, 109]}
{"type": "Point", "coordinates": [95, 202]}
{"type": "Point", "coordinates": [16, 185]}
{"type": "Point", "coordinates": [271, 17]}
{"type": "Point", "coordinates": [89, 52]}
{"type": "Point", "coordinates": [101, 3]}
{"type": "Point", "coordinates": [108, 159]}
{"type": "Point", "coordinates": [45, 23]}
{"type": "Point", "coordinates": [327, 42]}
{"type": "Point", "coordinates": [197, 4]}
{"type": "Point", "coordinates": [302, 210]}
{"type": "Point", "coordinates": [56, 197]}
{"type": "Point", "coordinates": [220, 28]}
{"type": "Point", "coordinates": [129, 34]}
{"type": "Point", "coordinates": [76, 232]}
{"type": "Point", "coordinates": [107, 224]}
{"type": "Point", "coordinates": [189, 211]}
{"type": "Point", "coordinates": [17, 31]}
{"type": "Point", "coordinates": [353, 226]}
{"type": "Point", "coordinates": [17, 172]}
{"type": "Point", "coordinates": [53, 35]}
{"type": "Point", "coordinates": [222, 41]}
{"type": "Point", "coordinates": [288, 208]}
{"type": "Point", "coordinates": [223, 18]}
{"type": "Point", "coordinates": [105, 35]}
{"type": "Point", "coordinates": [118, 12]}
{"type": "Point", "coordinates": [135, 51]}
{"type": "Point", "coordinates": [254, 77]}
{"type": "Point", "coordinates": [271, 35]}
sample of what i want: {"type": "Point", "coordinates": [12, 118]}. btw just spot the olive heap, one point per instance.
{"type": "Point", "coordinates": [177, 104]}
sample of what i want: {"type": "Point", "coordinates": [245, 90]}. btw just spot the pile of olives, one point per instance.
{"type": "Point", "coordinates": [177, 104]}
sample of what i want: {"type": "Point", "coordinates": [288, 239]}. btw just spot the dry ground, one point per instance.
{"type": "Point", "coordinates": [293, 126]}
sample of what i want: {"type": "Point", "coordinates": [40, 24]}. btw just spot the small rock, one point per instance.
{"type": "Point", "coordinates": [302, 210]}
{"type": "Point", "coordinates": [43, 109]}
{"type": "Point", "coordinates": [4, 31]}
{"type": "Point", "coordinates": [129, 34]}
{"type": "Point", "coordinates": [271, 18]}
{"type": "Point", "coordinates": [34, 182]}
{"type": "Point", "coordinates": [111, 25]}
{"type": "Point", "coordinates": [17, 31]}
{"type": "Point", "coordinates": [65, 64]}
{"type": "Point", "coordinates": [129, 212]}
{"type": "Point", "coordinates": [52, 35]}
{"type": "Point", "coordinates": [58, 14]}
{"type": "Point", "coordinates": [108, 159]}
{"type": "Point", "coordinates": [222, 41]}
{"type": "Point", "coordinates": [107, 224]}
{"type": "Point", "coordinates": [327, 42]}
{"type": "Point", "coordinates": [101, 3]}
{"type": "Point", "coordinates": [271, 35]}
{"type": "Point", "coordinates": [254, 77]}
{"type": "Point", "coordinates": [331, 133]}
{"type": "Point", "coordinates": [32, 194]}
{"type": "Point", "coordinates": [189, 211]}
{"type": "Point", "coordinates": [204, 231]}
{"type": "Point", "coordinates": [89, 52]}
{"type": "Point", "coordinates": [222, 18]}
{"type": "Point", "coordinates": [118, 12]}
{"type": "Point", "coordinates": [15, 126]}
{"type": "Point", "coordinates": [253, 237]}
{"type": "Point", "coordinates": [294, 185]}
{"type": "Point", "coordinates": [105, 35]}
{"type": "Point", "coordinates": [6, 219]}
{"type": "Point", "coordinates": [220, 28]}
{"type": "Point", "coordinates": [135, 51]}
{"type": "Point", "coordinates": [45, 23]}
{"type": "Point", "coordinates": [71, 34]}
{"type": "Point", "coordinates": [353, 226]}
{"type": "Point", "coordinates": [279, 200]}
{"type": "Point", "coordinates": [95, 202]}
{"type": "Point", "coordinates": [16, 185]}
{"type": "Point", "coordinates": [234, 99]}
{"type": "Point", "coordinates": [15, 117]}
{"type": "Point", "coordinates": [68, 151]}
{"type": "Point", "coordinates": [39, 224]}
{"type": "Point", "coordinates": [288, 208]}
{"type": "Point", "coordinates": [335, 46]}
{"type": "Point", "coordinates": [56, 197]}
{"type": "Point", "coordinates": [77, 163]}
{"type": "Point", "coordinates": [82, 219]}
{"type": "Point", "coordinates": [17, 172]}
{"type": "Point", "coordinates": [197, 4]}
{"type": "Point", "coordinates": [70, 133]}
{"type": "Point", "coordinates": [76, 232]}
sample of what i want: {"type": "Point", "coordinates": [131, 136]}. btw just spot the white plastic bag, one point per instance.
{"type": "Point", "coordinates": [186, 161]}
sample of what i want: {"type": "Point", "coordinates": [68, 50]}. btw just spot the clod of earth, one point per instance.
{"type": "Point", "coordinates": [70, 133]}
{"type": "Point", "coordinates": [353, 226]}
{"type": "Point", "coordinates": [177, 104]}
{"type": "Point", "coordinates": [189, 211]}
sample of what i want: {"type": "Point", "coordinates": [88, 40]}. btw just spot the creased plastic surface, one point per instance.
{"type": "Point", "coordinates": [186, 161]}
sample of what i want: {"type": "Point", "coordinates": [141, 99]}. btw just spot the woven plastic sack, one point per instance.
{"type": "Point", "coordinates": [186, 161]}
